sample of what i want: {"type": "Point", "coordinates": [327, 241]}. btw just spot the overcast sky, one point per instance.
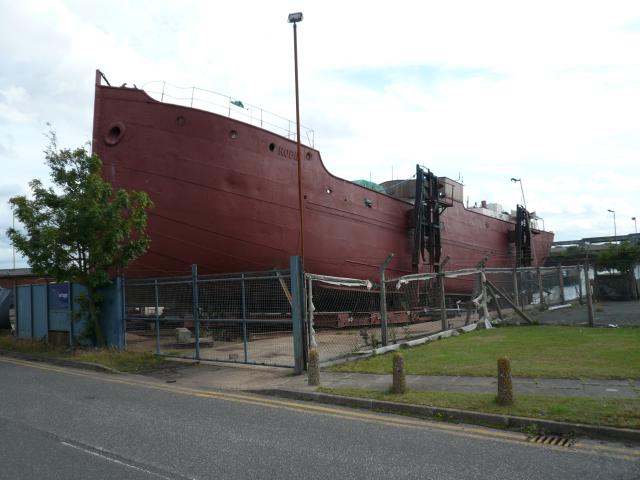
{"type": "Point", "coordinates": [484, 91]}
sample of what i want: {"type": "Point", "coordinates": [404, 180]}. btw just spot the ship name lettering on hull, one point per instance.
{"type": "Point", "coordinates": [286, 153]}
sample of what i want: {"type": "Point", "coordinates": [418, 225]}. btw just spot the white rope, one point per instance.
{"type": "Point", "coordinates": [341, 281]}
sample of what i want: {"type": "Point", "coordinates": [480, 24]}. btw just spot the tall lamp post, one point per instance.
{"type": "Point", "coordinates": [524, 202]}
{"type": "Point", "coordinates": [295, 18]}
{"type": "Point", "coordinates": [14, 247]}
{"type": "Point", "coordinates": [615, 230]}
{"type": "Point", "coordinates": [635, 224]}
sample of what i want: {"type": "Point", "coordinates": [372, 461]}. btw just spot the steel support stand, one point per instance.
{"type": "Point", "coordinates": [561, 284]}
{"type": "Point", "coordinates": [589, 299]}
{"type": "Point", "coordinates": [443, 301]}
{"type": "Point", "coordinates": [540, 289]}
{"type": "Point", "coordinates": [580, 285]}
{"type": "Point", "coordinates": [516, 293]}
{"type": "Point", "coordinates": [383, 301]}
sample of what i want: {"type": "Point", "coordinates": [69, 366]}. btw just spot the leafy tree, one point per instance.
{"type": "Point", "coordinates": [80, 230]}
{"type": "Point", "coordinates": [622, 257]}
{"type": "Point", "coordinates": [575, 251]}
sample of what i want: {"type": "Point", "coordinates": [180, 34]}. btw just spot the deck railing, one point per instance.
{"type": "Point", "coordinates": [231, 107]}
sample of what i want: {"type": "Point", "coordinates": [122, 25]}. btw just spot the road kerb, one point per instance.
{"type": "Point", "coordinates": [96, 367]}
{"type": "Point", "coordinates": [466, 416]}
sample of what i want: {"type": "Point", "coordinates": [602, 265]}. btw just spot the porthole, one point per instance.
{"type": "Point", "coordinates": [308, 156]}
{"type": "Point", "coordinates": [272, 146]}
{"type": "Point", "coordinates": [368, 202]}
{"type": "Point", "coordinates": [180, 121]}
{"type": "Point", "coordinates": [329, 190]}
{"type": "Point", "coordinates": [233, 134]}
{"type": "Point", "coordinates": [114, 133]}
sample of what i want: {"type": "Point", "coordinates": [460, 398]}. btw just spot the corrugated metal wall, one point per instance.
{"type": "Point", "coordinates": [44, 309]}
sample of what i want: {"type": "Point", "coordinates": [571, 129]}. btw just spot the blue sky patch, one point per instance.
{"type": "Point", "coordinates": [378, 78]}
{"type": "Point", "coordinates": [634, 26]}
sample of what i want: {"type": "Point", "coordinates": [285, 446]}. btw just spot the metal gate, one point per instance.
{"type": "Point", "coordinates": [244, 317]}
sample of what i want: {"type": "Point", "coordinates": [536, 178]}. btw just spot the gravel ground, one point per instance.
{"type": "Point", "coordinates": [625, 314]}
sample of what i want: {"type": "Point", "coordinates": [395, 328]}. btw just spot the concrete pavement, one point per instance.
{"type": "Point", "coordinates": [249, 377]}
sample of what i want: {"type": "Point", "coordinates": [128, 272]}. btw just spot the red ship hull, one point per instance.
{"type": "Point", "coordinates": [226, 199]}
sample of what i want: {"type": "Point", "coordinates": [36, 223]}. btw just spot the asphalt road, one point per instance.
{"type": "Point", "coordinates": [69, 424]}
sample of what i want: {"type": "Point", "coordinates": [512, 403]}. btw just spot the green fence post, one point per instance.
{"type": "Point", "coordinates": [15, 308]}
{"type": "Point", "coordinates": [123, 307]}
{"type": "Point", "coordinates": [70, 307]}
{"type": "Point", "coordinates": [46, 300]}
{"type": "Point", "coordinates": [244, 318]}
{"type": "Point", "coordinates": [121, 323]}
{"type": "Point", "coordinates": [195, 304]}
{"type": "Point", "coordinates": [155, 288]}
{"type": "Point", "coordinates": [297, 316]}
{"type": "Point", "coordinates": [31, 308]}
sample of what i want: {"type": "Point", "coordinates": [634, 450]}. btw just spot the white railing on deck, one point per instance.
{"type": "Point", "coordinates": [223, 105]}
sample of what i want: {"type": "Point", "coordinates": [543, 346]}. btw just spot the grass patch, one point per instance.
{"type": "Point", "coordinates": [13, 344]}
{"type": "Point", "coordinates": [623, 413]}
{"type": "Point", "coordinates": [122, 361]}
{"type": "Point", "coordinates": [535, 351]}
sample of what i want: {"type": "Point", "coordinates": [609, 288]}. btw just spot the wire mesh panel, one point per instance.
{"type": "Point", "coordinates": [550, 282]}
{"type": "Point", "coordinates": [343, 316]}
{"type": "Point", "coordinates": [573, 283]}
{"type": "Point", "coordinates": [243, 317]}
{"type": "Point", "coordinates": [428, 304]}
{"type": "Point", "coordinates": [348, 317]}
{"type": "Point", "coordinates": [140, 318]}
{"type": "Point", "coordinates": [502, 290]}
{"type": "Point", "coordinates": [156, 311]}
{"type": "Point", "coordinates": [246, 318]}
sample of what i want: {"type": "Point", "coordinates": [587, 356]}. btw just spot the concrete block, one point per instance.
{"type": "Point", "coordinates": [183, 335]}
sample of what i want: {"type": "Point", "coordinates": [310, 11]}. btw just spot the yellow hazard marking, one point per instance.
{"type": "Point", "coordinates": [346, 414]}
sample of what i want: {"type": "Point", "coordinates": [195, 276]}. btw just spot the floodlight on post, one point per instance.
{"type": "Point", "coordinates": [524, 202]}
{"type": "Point", "coordinates": [295, 18]}
{"type": "Point", "coordinates": [615, 230]}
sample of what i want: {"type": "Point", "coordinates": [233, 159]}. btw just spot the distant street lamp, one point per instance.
{"type": "Point", "coordinates": [524, 202]}
{"type": "Point", "coordinates": [615, 230]}
{"type": "Point", "coordinates": [635, 223]}
{"type": "Point", "coordinates": [295, 18]}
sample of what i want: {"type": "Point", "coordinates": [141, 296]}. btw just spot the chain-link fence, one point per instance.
{"type": "Point", "coordinates": [349, 317]}
{"type": "Point", "coordinates": [242, 317]}
{"type": "Point", "coordinates": [342, 315]}
{"type": "Point", "coordinates": [247, 317]}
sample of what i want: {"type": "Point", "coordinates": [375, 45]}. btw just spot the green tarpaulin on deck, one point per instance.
{"type": "Point", "coordinates": [371, 185]}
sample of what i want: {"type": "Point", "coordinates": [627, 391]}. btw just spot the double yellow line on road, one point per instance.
{"type": "Point", "coordinates": [466, 431]}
